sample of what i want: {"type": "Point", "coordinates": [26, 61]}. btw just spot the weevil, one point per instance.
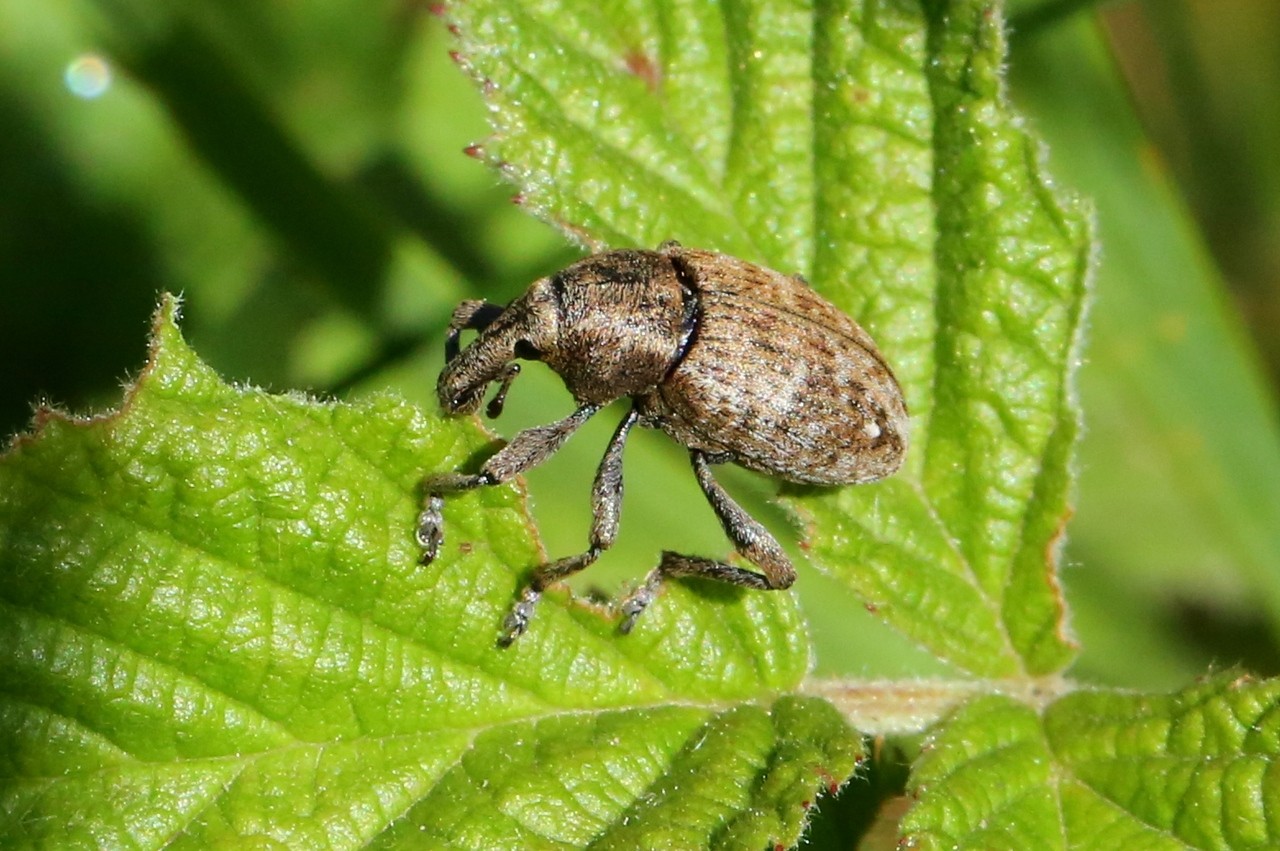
{"type": "Point", "coordinates": [738, 363]}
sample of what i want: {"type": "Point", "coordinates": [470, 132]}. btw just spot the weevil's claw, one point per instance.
{"type": "Point", "coordinates": [633, 607]}
{"type": "Point", "coordinates": [430, 533]}
{"type": "Point", "coordinates": [517, 620]}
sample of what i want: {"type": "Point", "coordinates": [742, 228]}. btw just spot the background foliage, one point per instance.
{"type": "Point", "coordinates": [299, 175]}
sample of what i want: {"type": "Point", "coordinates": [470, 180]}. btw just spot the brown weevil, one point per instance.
{"type": "Point", "coordinates": [736, 362]}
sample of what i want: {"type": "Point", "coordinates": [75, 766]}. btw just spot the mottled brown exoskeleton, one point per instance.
{"type": "Point", "coordinates": [736, 362]}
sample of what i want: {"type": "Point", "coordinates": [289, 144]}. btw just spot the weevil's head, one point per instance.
{"type": "Point", "coordinates": [524, 330]}
{"type": "Point", "coordinates": [611, 325]}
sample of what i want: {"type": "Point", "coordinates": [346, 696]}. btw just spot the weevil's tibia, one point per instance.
{"type": "Point", "coordinates": [749, 538]}
{"type": "Point", "coordinates": [527, 449]}
{"type": "Point", "coordinates": [606, 511]}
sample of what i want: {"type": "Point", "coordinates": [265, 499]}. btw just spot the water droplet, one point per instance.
{"type": "Point", "coordinates": [88, 76]}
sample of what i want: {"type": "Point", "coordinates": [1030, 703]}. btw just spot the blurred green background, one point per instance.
{"type": "Point", "coordinates": [298, 173]}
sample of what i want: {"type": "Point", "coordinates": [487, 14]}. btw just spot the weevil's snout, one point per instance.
{"type": "Point", "coordinates": [468, 373]}
{"type": "Point", "coordinates": [460, 392]}
{"type": "Point", "coordinates": [462, 404]}
{"type": "Point", "coordinates": [522, 330]}
{"type": "Point", "coordinates": [467, 400]}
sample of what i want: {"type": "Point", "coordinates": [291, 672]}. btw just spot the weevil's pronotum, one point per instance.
{"type": "Point", "coordinates": [736, 362]}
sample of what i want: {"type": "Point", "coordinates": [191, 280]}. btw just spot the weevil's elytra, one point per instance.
{"type": "Point", "coordinates": [736, 362]}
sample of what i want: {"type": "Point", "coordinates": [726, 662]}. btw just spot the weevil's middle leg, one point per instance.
{"type": "Point", "coordinates": [749, 538]}
{"type": "Point", "coordinates": [527, 449]}
{"type": "Point", "coordinates": [606, 511]}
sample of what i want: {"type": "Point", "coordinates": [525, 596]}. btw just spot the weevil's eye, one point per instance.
{"type": "Point", "coordinates": [527, 351]}
{"type": "Point", "coordinates": [467, 401]}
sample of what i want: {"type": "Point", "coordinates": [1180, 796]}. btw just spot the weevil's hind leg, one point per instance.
{"type": "Point", "coordinates": [749, 538]}
{"type": "Point", "coordinates": [527, 449]}
{"type": "Point", "coordinates": [470, 315]}
{"type": "Point", "coordinates": [606, 511]}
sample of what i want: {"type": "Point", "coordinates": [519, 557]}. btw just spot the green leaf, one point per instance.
{"type": "Point", "coordinates": [1196, 769]}
{"type": "Point", "coordinates": [985, 781]}
{"type": "Point", "coordinates": [216, 630]}
{"type": "Point", "coordinates": [1171, 505]}
{"type": "Point", "coordinates": [870, 147]}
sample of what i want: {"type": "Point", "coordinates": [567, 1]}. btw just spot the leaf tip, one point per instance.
{"type": "Point", "coordinates": [164, 323]}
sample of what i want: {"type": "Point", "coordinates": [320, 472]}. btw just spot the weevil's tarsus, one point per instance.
{"type": "Point", "coordinates": [633, 606]}
{"type": "Point", "coordinates": [517, 620]}
{"type": "Point", "coordinates": [431, 527]}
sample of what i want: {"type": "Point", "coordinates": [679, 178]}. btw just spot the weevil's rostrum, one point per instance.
{"type": "Point", "coordinates": [736, 362]}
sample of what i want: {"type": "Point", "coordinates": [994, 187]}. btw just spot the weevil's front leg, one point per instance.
{"type": "Point", "coordinates": [527, 449]}
{"type": "Point", "coordinates": [749, 538]}
{"type": "Point", "coordinates": [606, 510]}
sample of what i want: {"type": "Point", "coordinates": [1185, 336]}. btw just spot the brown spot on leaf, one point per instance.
{"type": "Point", "coordinates": [643, 66]}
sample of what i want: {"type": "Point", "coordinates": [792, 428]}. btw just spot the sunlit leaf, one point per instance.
{"type": "Point", "coordinates": [1195, 769]}
{"type": "Point", "coordinates": [868, 146]}
{"type": "Point", "coordinates": [216, 628]}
